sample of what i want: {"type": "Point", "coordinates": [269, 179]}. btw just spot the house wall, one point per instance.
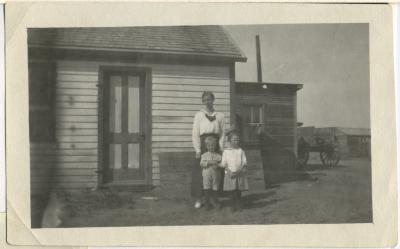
{"type": "Point", "coordinates": [176, 96]}
{"type": "Point", "coordinates": [42, 167]}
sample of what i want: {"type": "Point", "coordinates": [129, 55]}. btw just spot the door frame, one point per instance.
{"type": "Point", "coordinates": [147, 73]}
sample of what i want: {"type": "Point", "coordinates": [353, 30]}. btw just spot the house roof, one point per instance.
{"type": "Point", "coordinates": [193, 40]}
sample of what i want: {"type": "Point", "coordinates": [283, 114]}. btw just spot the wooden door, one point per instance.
{"type": "Point", "coordinates": [124, 139]}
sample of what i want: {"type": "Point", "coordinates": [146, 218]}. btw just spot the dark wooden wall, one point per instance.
{"type": "Point", "coordinates": [279, 112]}
{"type": "Point", "coordinates": [277, 137]}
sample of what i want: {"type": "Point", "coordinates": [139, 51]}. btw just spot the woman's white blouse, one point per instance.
{"type": "Point", "coordinates": [202, 125]}
{"type": "Point", "coordinates": [234, 159]}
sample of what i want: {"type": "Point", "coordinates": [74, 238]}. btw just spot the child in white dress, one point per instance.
{"type": "Point", "coordinates": [234, 161]}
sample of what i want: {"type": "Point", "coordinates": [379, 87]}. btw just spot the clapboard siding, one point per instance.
{"type": "Point", "coordinates": [177, 119]}
{"type": "Point", "coordinates": [75, 125]}
{"type": "Point", "coordinates": [72, 165]}
{"type": "Point", "coordinates": [66, 172]}
{"type": "Point", "coordinates": [72, 98]}
{"type": "Point", "coordinates": [75, 118]}
{"type": "Point", "coordinates": [90, 69]}
{"type": "Point", "coordinates": [42, 157]}
{"type": "Point", "coordinates": [82, 145]}
{"type": "Point", "coordinates": [172, 132]}
{"type": "Point", "coordinates": [77, 77]}
{"type": "Point", "coordinates": [175, 102]}
{"type": "Point", "coordinates": [196, 96]}
{"type": "Point", "coordinates": [172, 144]}
{"type": "Point", "coordinates": [279, 120]}
{"type": "Point", "coordinates": [270, 98]}
{"type": "Point", "coordinates": [185, 100]}
{"type": "Point", "coordinates": [163, 150]}
{"type": "Point", "coordinates": [70, 185]}
{"type": "Point", "coordinates": [76, 159]}
{"type": "Point", "coordinates": [76, 111]}
{"type": "Point", "coordinates": [77, 105]}
{"type": "Point", "coordinates": [77, 139]}
{"type": "Point", "coordinates": [176, 97]}
{"type": "Point", "coordinates": [77, 152]}
{"type": "Point", "coordinates": [69, 178]}
{"type": "Point", "coordinates": [172, 138]}
{"type": "Point", "coordinates": [76, 132]}
{"type": "Point", "coordinates": [76, 128]}
{"type": "Point", "coordinates": [191, 107]}
{"type": "Point", "coordinates": [281, 130]}
{"type": "Point", "coordinates": [77, 92]}
{"type": "Point", "coordinates": [172, 126]}
{"type": "Point", "coordinates": [181, 113]}
{"type": "Point", "coordinates": [76, 85]}
{"type": "Point", "coordinates": [190, 88]}
{"type": "Point", "coordinates": [193, 81]}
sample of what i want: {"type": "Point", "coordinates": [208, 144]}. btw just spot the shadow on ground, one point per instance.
{"type": "Point", "coordinates": [259, 200]}
{"type": "Point", "coordinates": [319, 166]}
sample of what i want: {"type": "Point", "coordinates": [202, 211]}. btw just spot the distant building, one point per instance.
{"type": "Point", "coordinates": [351, 142]}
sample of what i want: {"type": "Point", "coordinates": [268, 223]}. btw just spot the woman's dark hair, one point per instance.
{"type": "Point", "coordinates": [208, 93]}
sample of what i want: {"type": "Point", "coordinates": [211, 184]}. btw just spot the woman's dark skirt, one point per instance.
{"type": "Point", "coordinates": [197, 178]}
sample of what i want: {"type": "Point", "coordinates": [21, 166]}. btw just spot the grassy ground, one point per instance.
{"type": "Point", "coordinates": [336, 195]}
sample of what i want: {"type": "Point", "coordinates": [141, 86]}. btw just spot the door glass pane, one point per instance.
{"type": "Point", "coordinates": [133, 156]}
{"type": "Point", "coordinates": [115, 103]}
{"type": "Point", "coordinates": [115, 156]}
{"type": "Point", "coordinates": [133, 104]}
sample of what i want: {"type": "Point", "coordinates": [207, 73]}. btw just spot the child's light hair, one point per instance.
{"type": "Point", "coordinates": [231, 134]}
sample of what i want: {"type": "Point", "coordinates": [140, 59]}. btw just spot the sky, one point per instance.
{"type": "Point", "coordinates": [330, 60]}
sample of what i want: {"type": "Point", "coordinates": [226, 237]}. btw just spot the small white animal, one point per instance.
{"type": "Point", "coordinates": [54, 210]}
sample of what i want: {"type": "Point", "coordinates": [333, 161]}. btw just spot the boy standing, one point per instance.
{"type": "Point", "coordinates": [211, 175]}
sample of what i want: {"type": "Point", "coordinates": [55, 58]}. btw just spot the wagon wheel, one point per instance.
{"type": "Point", "coordinates": [302, 158]}
{"type": "Point", "coordinates": [329, 158]}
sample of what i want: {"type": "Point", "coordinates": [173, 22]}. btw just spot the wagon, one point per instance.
{"type": "Point", "coordinates": [328, 152]}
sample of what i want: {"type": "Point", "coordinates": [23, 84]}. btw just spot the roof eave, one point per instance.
{"type": "Point", "coordinates": [242, 54]}
{"type": "Point", "coordinates": [232, 57]}
{"type": "Point", "coordinates": [298, 86]}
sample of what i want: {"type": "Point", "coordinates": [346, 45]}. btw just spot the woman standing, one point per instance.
{"type": "Point", "coordinates": [207, 122]}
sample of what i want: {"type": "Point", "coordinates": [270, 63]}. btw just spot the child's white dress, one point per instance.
{"type": "Point", "coordinates": [234, 160]}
